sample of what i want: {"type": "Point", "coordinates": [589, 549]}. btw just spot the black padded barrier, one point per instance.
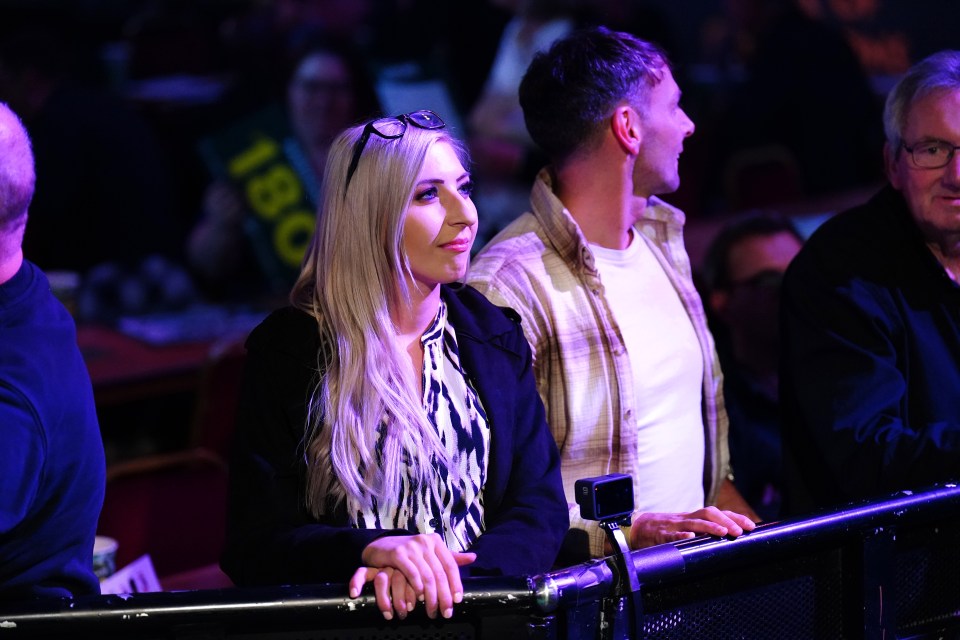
{"type": "Point", "coordinates": [885, 569]}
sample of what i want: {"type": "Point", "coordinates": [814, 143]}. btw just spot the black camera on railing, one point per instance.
{"type": "Point", "coordinates": [605, 498]}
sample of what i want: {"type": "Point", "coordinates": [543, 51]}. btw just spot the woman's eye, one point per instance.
{"type": "Point", "coordinates": [426, 195]}
{"type": "Point", "coordinates": [467, 188]}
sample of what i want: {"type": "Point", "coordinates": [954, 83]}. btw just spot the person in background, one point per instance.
{"type": "Point", "coordinates": [505, 157]}
{"type": "Point", "coordinates": [52, 460]}
{"type": "Point", "coordinates": [871, 317]}
{"type": "Point", "coordinates": [328, 90]}
{"type": "Point", "coordinates": [104, 207]}
{"type": "Point", "coordinates": [742, 273]}
{"type": "Point", "coordinates": [106, 191]}
{"type": "Point", "coordinates": [496, 119]}
{"type": "Point", "coordinates": [390, 429]}
{"type": "Point", "coordinates": [804, 109]}
{"type": "Point", "coordinates": [598, 272]}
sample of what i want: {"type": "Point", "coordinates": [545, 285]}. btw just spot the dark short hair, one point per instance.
{"type": "Point", "coordinates": [716, 264]}
{"type": "Point", "coordinates": [570, 89]}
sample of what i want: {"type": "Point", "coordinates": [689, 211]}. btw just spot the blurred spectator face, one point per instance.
{"type": "Point", "coordinates": [321, 98]}
{"type": "Point", "coordinates": [749, 306]}
{"type": "Point", "coordinates": [755, 254]}
{"type": "Point", "coordinates": [933, 195]}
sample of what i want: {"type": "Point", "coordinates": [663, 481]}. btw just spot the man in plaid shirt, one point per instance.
{"type": "Point", "coordinates": [598, 272]}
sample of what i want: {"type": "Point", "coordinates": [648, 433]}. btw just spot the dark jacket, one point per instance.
{"type": "Point", "coordinates": [870, 372]}
{"type": "Point", "coordinates": [272, 538]}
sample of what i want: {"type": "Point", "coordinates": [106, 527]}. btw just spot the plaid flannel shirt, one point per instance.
{"type": "Point", "coordinates": [542, 266]}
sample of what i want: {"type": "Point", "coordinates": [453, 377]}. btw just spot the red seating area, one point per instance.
{"type": "Point", "coordinates": [172, 505]}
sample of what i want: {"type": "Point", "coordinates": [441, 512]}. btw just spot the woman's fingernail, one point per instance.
{"type": "Point", "coordinates": [411, 605]}
{"type": "Point", "coordinates": [448, 613]}
{"type": "Point", "coordinates": [458, 597]}
{"type": "Point", "coordinates": [388, 615]}
{"type": "Point", "coordinates": [354, 593]}
{"type": "Point", "coordinates": [420, 597]}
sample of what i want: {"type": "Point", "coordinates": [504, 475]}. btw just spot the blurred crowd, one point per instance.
{"type": "Point", "coordinates": [138, 109]}
{"type": "Point", "coordinates": [182, 147]}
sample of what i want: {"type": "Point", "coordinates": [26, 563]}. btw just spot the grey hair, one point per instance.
{"type": "Point", "coordinates": [17, 173]}
{"type": "Point", "coordinates": [937, 72]}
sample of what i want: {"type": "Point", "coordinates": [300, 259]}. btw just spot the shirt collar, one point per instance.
{"type": "Point", "coordinates": [656, 219]}
{"type": "Point", "coordinates": [435, 332]}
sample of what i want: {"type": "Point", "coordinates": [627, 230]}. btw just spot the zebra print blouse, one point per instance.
{"type": "Point", "coordinates": [453, 506]}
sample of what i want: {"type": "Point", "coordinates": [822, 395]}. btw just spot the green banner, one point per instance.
{"type": "Point", "coordinates": [260, 156]}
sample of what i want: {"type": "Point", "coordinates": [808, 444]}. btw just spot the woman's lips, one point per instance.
{"type": "Point", "coordinates": [457, 244]}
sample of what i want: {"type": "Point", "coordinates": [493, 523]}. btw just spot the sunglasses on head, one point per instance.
{"type": "Point", "coordinates": [391, 129]}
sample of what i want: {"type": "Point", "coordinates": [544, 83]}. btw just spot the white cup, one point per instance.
{"type": "Point", "coordinates": [104, 556]}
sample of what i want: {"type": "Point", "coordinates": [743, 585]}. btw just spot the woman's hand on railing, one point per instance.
{"type": "Point", "coordinates": [405, 569]}
{"type": "Point", "coordinates": [395, 595]}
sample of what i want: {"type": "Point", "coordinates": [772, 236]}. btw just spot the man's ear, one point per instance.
{"type": "Point", "coordinates": [626, 128]}
{"type": "Point", "coordinates": [890, 165]}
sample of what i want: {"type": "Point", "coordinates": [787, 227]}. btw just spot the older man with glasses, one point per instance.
{"type": "Point", "coordinates": [870, 373]}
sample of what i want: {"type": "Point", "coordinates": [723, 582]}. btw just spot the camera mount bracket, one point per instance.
{"type": "Point", "coordinates": [626, 586]}
{"type": "Point", "coordinates": [626, 582]}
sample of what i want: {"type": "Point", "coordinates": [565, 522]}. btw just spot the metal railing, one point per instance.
{"type": "Point", "coordinates": [878, 569]}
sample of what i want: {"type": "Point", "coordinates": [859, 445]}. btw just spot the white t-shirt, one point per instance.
{"type": "Point", "coordinates": [668, 373]}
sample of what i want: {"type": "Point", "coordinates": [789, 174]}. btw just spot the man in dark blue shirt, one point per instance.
{"type": "Point", "coordinates": [870, 373]}
{"type": "Point", "coordinates": [51, 459]}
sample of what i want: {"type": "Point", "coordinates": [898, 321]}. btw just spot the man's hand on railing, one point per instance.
{"type": "Point", "coordinates": [649, 529]}
{"type": "Point", "coordinates": [405, 569]}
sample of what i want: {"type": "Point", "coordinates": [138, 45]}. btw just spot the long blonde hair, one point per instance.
{"type": "Point", "coordinates": [354, 274]}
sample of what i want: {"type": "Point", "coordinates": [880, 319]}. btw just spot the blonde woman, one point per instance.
{"type": "Point", "coordinates": [390, 430]}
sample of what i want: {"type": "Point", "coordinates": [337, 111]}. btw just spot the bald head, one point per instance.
{"type": "Point", "coordinates": [17, 176]}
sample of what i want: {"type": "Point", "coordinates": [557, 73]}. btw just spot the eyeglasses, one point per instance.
{"type": "Point", "coordinates": [933, 154]}
{"type": "Point", "coordinates": [391, 129]}
{"type": "Point", "coordinates": [766, 279]}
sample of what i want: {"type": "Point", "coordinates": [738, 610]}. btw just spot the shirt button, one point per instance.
{"type": "Point", "coordinates": [435, 523]}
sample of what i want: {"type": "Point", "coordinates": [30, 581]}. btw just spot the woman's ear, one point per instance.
{"type": "Point", "coordinates": [626, 128]}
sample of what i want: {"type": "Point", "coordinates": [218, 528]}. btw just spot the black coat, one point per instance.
{"type": "Point", "coordinates": [870, 370]}
{"type": "Point", "coordinates": [273, 539]}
